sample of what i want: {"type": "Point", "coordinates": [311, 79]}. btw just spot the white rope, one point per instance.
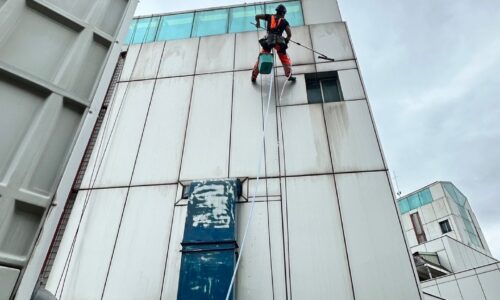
{"type": "Point", "coordinates": [256, 187]}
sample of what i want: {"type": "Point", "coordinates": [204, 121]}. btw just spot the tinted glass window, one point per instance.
{"type": "Point", "coordinates": [210, 22]}
{"type": "Point", "coordinates": [293, 12]}
{"type": "Point", "coordinates": [414, 201]}
{"type": "Point", "coordinates": [152, 28]}
{"type": "Point", "coordinates": [445, 226]}
{"type": "Point", "coordinates": [240, 18]}
{"type": "Point", "coordinates": [175, 27]}
{"type": "Point", "coordinates": [425, 196]}
{"type": "Point", "coordinates": [131, 30]}
{"type": "Point", "coordinates": [322, 87]}
{"type": "Point", "coordinates": [141, 29]}
{"type": "Point", "coordinates": [403, 206]}
{"type": "Point", "coordinates": [330, 90]}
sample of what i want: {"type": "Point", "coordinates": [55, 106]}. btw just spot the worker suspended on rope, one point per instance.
{"type": "Point", "coordinates": [276, 25]}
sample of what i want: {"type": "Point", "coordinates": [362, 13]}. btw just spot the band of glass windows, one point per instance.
{"type": "Point", "coordinates": [207, 22]}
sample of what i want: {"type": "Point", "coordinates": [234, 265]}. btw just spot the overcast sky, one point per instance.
{"type": "Point", "coordinates": [431, 70]}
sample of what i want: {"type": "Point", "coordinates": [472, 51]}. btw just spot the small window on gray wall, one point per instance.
{"type": "Point", "coordinates": [445, 226]}
{"type": "Point", "coordinates": [323, 87]}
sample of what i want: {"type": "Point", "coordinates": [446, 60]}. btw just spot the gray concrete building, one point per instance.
{"type": "Point", "coordinates": [56, 61]}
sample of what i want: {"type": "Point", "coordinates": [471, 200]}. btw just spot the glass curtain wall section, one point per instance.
{"type": "Point", "coordinates": [460, 200]}
{"type": "Point", "coordinates": [210, 22]}
{"type": "Point", "coordinates": [207, 22]}
{"type": "Point", "coordinates": [175, 27]}
{"type": "Point", "coordinates": [415, 201]}
{"type": "Point", "coordinates": [240, 18]}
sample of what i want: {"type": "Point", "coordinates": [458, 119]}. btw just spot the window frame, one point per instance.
{"type": "Point", "coordinates": [318, 78]}
{"type": "Point", "coordinates": [446, 224]}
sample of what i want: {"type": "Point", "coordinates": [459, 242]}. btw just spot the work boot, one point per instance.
{"type": "Point", "coordinates": [292, 78]}
{"type": "Point", "coordinates": [254, 80]}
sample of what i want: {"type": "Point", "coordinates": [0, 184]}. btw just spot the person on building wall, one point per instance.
{"type": "Point", "coordinates": [276, 25]}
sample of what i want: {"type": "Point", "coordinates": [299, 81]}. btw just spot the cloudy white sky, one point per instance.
{"type": "Point", "coordinates": [431, 70]}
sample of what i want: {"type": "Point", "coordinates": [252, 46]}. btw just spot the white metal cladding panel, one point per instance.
{"type": "Point", "coordinates": [353, 143]}
{"type": "Point", "coordinates": [332, 40]}
{"type": "Point", "coordinates": [411, 238]}
{"type": "Point", "coordinates": [272, 146]}
{"type": "Point", "coordinates": [148, 61]}
{"type": "Point", "coordinates": [160, 152]}
{"type": "Point", "coordinates": [94, 245]}
{"type": "Point", "coordinates": [440, 208]}
{"type": "Point", "coordinates": [433, 290]}
{"type": "Point", "coordinates": [320, 11]}
{"type": "Point", "coordinates": [449, 290]}
{"type": "Point", "coordinates": [294, 93]}
{"type": "Point", "coordinates": [351, 86]}
{"type": "Point", "coordinates": [302, 69]}
{"type": "Point", "coordinates": [370, 222]}
{"type": "Point", "coordinates": [433, 230]}
{"type": "Point", "coordinates": [130, 61]}
{"type": "Point", "coordinates": [179, 57]}
{"type": "Point", "coordinates": [471, 288]}
{"type": "Point", "coordinates": [119, 157]}
{"type": "Point", "coordinates": [318, 260]}
{"type": "Point", "coordinates": [9, 278]}
{"type": "Point", "coordinates": [137, 268]}
{"type": "Point", "coordinates": [304, 139]}
{"type": "Point", "coordinates": [216, 53]}
{"type": "Point", "coordinates": [457, 258]}
{"type": "Point", "coordinates": [173, 265]}
{"type": "Point", "coordinates": [206, 150]}
{"type": "Point", "coordinates": [277, 250]}
{"type": "Point", "coordinates": [103, 137]}
{"type": "Point", "coordinates": [406, 222]}
{"type": "Point", "coordinates": [489, 282]}
{"type": "Point", "coordinates": [255, 279]}
{"type": "Point", "coordinates": [428, 214]}
{"type": "Point", "coordinates": [334, 66]}
{"type": "Point", "coordinates": [299, 55]}
{"type": "Point", "coordinates": [247, 50]}
{"type": "Point", "coordinates": [246, 128]}
{"type": "Point", "coordinates": [436, 191]}
{"type": "Point", "coordinates": [59, 268]}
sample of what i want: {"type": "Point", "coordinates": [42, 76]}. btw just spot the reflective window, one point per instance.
{"type": "Point", "coordinates": [141, 29]}
{"type": "Point", "coordinates": [131, 30]}
{"type": "Point", "coordinates": [175, 27]}
{"type": "Point", "coordinates": [293, 12]}
{"type": "Point", "coordinates": [425, 196]}
{"type": "Point", "coordinates": [322, 87]}
{"type": "Point", "coordinates": [414, 201]}
{"type": "Point", "coordinates": [240, 18]}
{"type": "Point", "coordinates": [404, 207]}
{"type": "Point", "coordinates": [210, 22]}
{"type": "Point", "coordinates": [152, 28]}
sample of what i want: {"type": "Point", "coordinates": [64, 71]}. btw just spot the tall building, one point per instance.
{"type": "Point", "coordinates": [56, 61]}
{"type": "Point", "coordinates": [159, 206]}
{"type": "Point", "coordinates": [451, 254]}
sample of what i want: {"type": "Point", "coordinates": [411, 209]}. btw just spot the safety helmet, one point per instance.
{"type": "Point", "coordinates": [281, 9]}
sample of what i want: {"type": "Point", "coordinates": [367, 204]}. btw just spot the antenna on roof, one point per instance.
{"type": "Point", "coordinates": [398, 193]}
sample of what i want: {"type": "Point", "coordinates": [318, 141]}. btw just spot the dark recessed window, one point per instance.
{"type": "Point", "coordinates": [323, 87]}
{"type": "Point", "coordinates": [445, 226]}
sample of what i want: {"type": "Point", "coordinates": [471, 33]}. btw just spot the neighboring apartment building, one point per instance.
{"type": "Point", "coordinates": [56, 62]}
{"type": "Point", "coordinates": [182, 111]}
{"type": "Point", "coordinates": [451, 254]}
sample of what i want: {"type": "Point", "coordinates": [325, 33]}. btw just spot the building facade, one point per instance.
{"type": "Point", "coordinates": [56, 61]}
{"type": "Point", "coordinates": [451, 254]}
{"type": "Point", "coordinates": [182, 113]}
